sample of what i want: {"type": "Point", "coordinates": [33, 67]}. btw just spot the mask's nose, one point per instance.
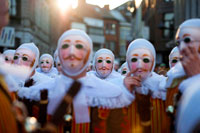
{"type": "Point", "coordinates": [182, 45]}
{"type": "Point", "coordinates": [71, 51]}
{"type": "Point", "coordinates": [139, 64]}
{"type": "Point", "coordinates": [104, 63]}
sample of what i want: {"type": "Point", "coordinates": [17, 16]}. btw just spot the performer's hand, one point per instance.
{"type": "Point", "coordinates": [190, 60]}
{"type": "Point", "coordinates": [132, 81]}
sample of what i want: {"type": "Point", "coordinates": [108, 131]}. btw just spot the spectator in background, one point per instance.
{"type": "Point", "coordinates": [162, 69]}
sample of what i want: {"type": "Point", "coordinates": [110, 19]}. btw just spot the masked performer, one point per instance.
{"type": "Point", "coordinates": [28, 55]}
{"type": "Point", "coordinates": [8, 55]}
{"type": "Point", "coordinates": [75, 52]}
{"type": "Point", "coordinates": [186, 73]}
{"type": "Point", "coordinates": [46, 64]}
{"type": "Point", "coordinates": [147, 110]}
{"type": "Point", "coordinates": [103, 64]}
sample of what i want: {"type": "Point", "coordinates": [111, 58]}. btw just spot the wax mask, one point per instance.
{"type": "Point", "coordinates": [58, 66]}
{"type": "Point", "coordinates": [8, 58]}
{"type": "Point", "coordinates": [188, 36]}
{"type": "Point", "coordinates": [104, 65]}
{"type": "Point", "coordinates": [24, 57]}
{"type": "Point", "coordinates": [124, 71]}
{"type": "Point", "coordinates": [140, 61]}
{"type": "Point", "coordinates": [174, 59]}
{"type": "Point", "coordinates": [46, 64]}
{"type": "Point", "coordinates": [74, 53]}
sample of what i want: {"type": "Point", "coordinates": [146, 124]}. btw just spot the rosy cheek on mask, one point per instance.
{"type": "Point", "coordinates": [134, 66]}
{"type": "Point", "coordinates": [64, 53]}
{"type": "Point", "coordinates": [147, 66]}
{"type": "Point", "coordinates": [108, 65]}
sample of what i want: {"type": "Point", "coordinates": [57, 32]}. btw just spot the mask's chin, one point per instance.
{"type": "Point", "coordinates": [103, 75]}
{"type": "Point", "coordinates": [46, 70]}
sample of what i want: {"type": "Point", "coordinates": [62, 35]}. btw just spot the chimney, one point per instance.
{"type": "Point", "coordinates": [81, 3]}
{"type": "Point", "coordinates": [106, 7]}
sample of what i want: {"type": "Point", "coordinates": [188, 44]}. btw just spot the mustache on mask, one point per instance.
{"type": "Point", "coordinates": [144, 70]}
{"type": "Point", "coordinates": [75, 57]}
{"type": "Point", "coordinates": [101, 68]}
{"type": "Point", "coordinates": [45, 67]}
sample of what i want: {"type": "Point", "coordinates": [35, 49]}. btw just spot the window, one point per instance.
{"type": "Point", "coordinates": [168, 25]}
{"type": "Point", "coordinates": [13, 6]}
{"type": "Point", "coordinates": [168, 0]}
{"type": "Point", "coordinates": [110, 29]}
{"type": "Point", "coordinates": [110, 45]}
{"type": "Point", "coordinates": [95, 31]}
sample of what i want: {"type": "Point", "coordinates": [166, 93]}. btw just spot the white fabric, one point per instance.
{"type": "Point", "coordinates": [9, 52]}
{"type": "Point", "coordinates": [55, 54]}
{"type": "Point", "coordinates": [171, 55]}
{"type": "Point", "coordinates": [15, 75]}
{"type": "Point", "coordinates": [111, 76]}
{"type": "Point", "coordinates": [189, 109]}
{"type": "Point", "coordinates": [80, 33]}
{"type": "Point", "coordinates": [155, 83]}
{"type": "Point", "coordinates": [139, 44]}
{"type": "Point", "coordinates": [120, 82]}
{"type": "Point", "coordinates": [52, 74]}
{"type": "Point", "coordinates": [98, 93]}
{"type": "Point", "coordinates": [34, 49]}
{"type": "Point", "coordinates": [194, 22]}
{"type": "Point", "coordinates": [33, 92]}
{"type": "Point", "coordinates": [175, 72]}
{"type": "Point", "coordinates": [188, 82]}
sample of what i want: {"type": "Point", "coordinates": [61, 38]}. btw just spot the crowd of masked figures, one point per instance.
{"type": "Point", "coordinates": [79, 91]}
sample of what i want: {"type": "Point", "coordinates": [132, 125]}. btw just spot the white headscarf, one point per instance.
{"type": "Point", "coordinates": [139, 44]}
{"type": "Point", "coordinates": [194, 22]}
{"type": "Point", "coordinates": [47, 56]}
{"type": "Point", "coordinates": [34, 49]}
{"type": "Point", "coordinates": [9, 52]}
{"type": "Point", "coordinates": [84, 35]}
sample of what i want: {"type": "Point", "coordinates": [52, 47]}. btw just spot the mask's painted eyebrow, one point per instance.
{"type": "Point", "coordinates": [66, 41]}
{"type": "Point", "coordinates": [25, 55]}
{"type": "Point", "coordinates": [108, 58]}
{"type": "Point", "coordinates": [79, 41]}
{"type": "Point", "coordinates": [135, 55]}
{"type": "Point", "coordinates": [145, 55]}
{"type": "Point", "coordinates": [186, 35]}
{"type": "Point", "coordinates": [99, 58]}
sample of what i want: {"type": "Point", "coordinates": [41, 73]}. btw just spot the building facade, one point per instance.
{"type": "Point", "coordinates": [30, 22]}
